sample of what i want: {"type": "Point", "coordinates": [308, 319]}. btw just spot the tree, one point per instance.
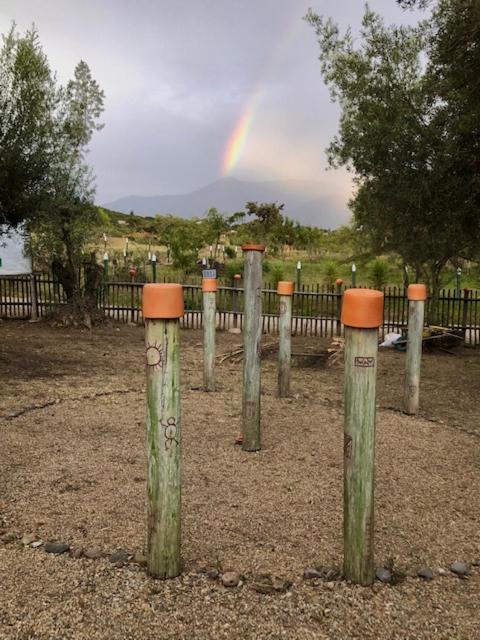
{"type": "Point", "coordinates": [396, 137]}
{"type": "Point", "coordinates": [68, 221]}
{"type": "Point", "coordinates": [216, 225]}
{"type": "Point", "coordinates": [28, 100]}
{"type": "Point", "coordinates": [45, 183]}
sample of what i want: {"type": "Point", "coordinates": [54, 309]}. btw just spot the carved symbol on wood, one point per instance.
{"type": "Point", "coordinates": [347, 447]}
{"type": "Point", "coordinates": [154, 355]}
{"type": "Point", "coordinates": [283, 307]}
{"type": "Point", "coordinates": [364, 361]}
{"type": "Point", "coordinates": [170, 431]}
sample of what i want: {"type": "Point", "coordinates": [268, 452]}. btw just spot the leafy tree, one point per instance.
{"type": "Point", "coordinates": [68, 221]}
{"type": "Point", "coordinates": [185, 238]}
{"type": "Point", "coordinates": [44, 132]}
{"type": "Point", "coordinates": [28, 99]}
{"type": "Point", "coordinates": [395, 135]}
{"type": "Point", "coordinates": [216, 225]}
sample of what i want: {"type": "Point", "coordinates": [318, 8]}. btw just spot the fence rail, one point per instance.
{"type": "Point", "coordinates": [316, 309]}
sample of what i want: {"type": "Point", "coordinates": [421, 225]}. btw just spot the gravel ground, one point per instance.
{"type": "Point", "coordinates": [74, 472]}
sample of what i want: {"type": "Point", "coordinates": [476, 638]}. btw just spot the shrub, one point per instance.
{"type": "Point", "coordinates": [379, 273]}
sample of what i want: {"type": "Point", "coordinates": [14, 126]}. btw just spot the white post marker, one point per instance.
{"type": "Point", "coordinates": [362, 315]}
{"type": "Point", "coordinates": [163, 307]}
{"type": "Point", "coordinates": [417, 294]}
{"type": "Point", "coordinates": [285, 291]}
{"type": "Point", "coordinates": [209, 289]}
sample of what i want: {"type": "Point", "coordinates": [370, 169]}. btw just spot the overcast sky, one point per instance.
{"type": "Point", "coordinates": [179, 74]}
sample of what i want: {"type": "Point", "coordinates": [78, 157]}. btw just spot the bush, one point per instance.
{"type": "Point", "coordinates": [379, 273]}
{"type": "Point", "coordinates": [275, 273]}
{"type": "Point", "coordinates": [330, 273]}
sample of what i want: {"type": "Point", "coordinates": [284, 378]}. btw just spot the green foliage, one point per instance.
{"type": "Point", "coordinates": [379, 273]}
{"type": "Point", "coordinates": [233, 267]}
{"type": "Point", "coordinates": [330, 270]}
{"type": "Point", "coordinates": [274, 273]}
{"type": "Point", "coordinates": [400, 133]}
{"type": "Point", "coordinates": [230, 252]}
{"type": "Point", "coordinates": [28, 100]}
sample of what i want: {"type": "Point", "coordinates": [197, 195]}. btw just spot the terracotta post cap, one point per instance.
{"type": "Point", "coordinates": [253, 247]}
{"type": "Point", "coordinates": [417, 292]}
{"type": "Point", "coordinates": [338, 281]}
{"type": "Point", "coordinates": [237, 276]}
{"type": "Point", "coordinates": [362, 308]}
{"type": "Point", "coordinates": [163, 301]}
{"type": "Point", "coordinates": [209, 285]}
{"type": "Point", "coordinates": [285, 288]}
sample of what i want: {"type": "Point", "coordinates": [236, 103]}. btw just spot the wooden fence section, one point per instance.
{"type": "Point", "coordinates": [316, 310]}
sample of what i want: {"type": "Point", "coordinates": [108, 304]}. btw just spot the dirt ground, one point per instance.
{"type": "Point", "coordinates": [74, 472]}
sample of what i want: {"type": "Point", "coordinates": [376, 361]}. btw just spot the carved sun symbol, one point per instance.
{"type": "Point", "coordinates": [154, 355]}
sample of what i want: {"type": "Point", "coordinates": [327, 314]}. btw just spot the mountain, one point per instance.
{"type": "Point", "coordinates": [308, 202]}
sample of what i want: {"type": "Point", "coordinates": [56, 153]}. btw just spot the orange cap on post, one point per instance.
{"type": "Point", "coordinates": [253, 247]}
{"type": "Point", "coordinates": [338, 281]}
{"type": "Point", "coordinates": [362, 308]}
{"type": "Point", "coordinates": [237, 276]}
{"type": "Point", "coordinates": [163, 301]}
{"type": "Point", "coordinates": [209, 285]}
{"type": "Point", "coordinates": [285, 288]}
{"type": "Point", "coordinates": [417, 292]}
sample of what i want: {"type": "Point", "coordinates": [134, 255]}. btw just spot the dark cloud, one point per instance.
{"type": "Point", "coordinates": [178, 75]}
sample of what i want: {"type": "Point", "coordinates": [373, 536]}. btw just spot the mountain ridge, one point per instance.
{"type": "Point", "coordinates": [306, 201]}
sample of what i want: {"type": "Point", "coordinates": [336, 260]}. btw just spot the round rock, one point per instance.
{"type": "Point", "coordinates": [426, 574]}
{"type": "Point", "coordinates": [56, 547]}
{"type": "Point", "coordinates": [459, 568]}
{"type": "Point", "coordinates": [230, 579]}
{"type": "Point", "coordinates": [383, 575]}
{"type": "Point", "coordinates": [311, 574]}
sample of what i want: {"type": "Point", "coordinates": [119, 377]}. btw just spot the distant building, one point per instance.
{"type": "Point", "coordinates": [13, 260]}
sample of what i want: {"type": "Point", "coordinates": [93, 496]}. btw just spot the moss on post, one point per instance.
{"type": "Point", "coordinates": [163, 441]}
{"type": "Point", "coordinates": [362, 314]}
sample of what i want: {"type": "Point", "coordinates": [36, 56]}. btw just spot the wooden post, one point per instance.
{"type": "Point", "coordinates": [209, 288]}
{"type": "Point", "coordinates": [252, 333]}
{"type": "Point", "coordinates": [285, 291]}
{"type": "Point", "coordinates": [236, 281]}
{"type": "Point", "coordinates": [466, 296]}
{"type": "Point", "coordinates": [339, 283]}
{"type": "Point", "coordinates": [162, 308]}
{"type": "Point", "coordinates": [362, 314]}
{"type": "Point", "coordinates": [33, 298]}
{"type": "Point", "coordinates": [417, 294]}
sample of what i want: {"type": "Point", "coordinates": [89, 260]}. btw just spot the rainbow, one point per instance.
{"type": "Point", "coordinates": [238, 137]}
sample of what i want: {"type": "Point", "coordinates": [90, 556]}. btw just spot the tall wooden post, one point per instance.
{"type": "Point", "coordinates": [339, 283]}
{"type": "Point", "coordinates": [33, 298]}
{"type": "Point", "coordinates": [209, 288]}
{"type": "Point", "coordinates": [362, 314]}
{"type": "Point", "coordinates": [466, 296]}
{"type": "Point", "coordinates": [252, 333]}
{"type": "Point", "coordinates": [236, 281]}
{"type": "Point", "coordinates": [285, 291]}
{"type": "Point", "coordinates": [417, 294]}
{"type": "Point", "coordinates": [162, 309]}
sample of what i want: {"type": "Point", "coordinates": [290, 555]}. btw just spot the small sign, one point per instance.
{"type": "Point", "coordinates": [209, 273]}
{"type": "Point", "coordinates": [364, 361]}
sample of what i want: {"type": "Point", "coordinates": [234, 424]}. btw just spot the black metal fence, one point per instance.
{"type": "Point", "coordinates": [316, 309]}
